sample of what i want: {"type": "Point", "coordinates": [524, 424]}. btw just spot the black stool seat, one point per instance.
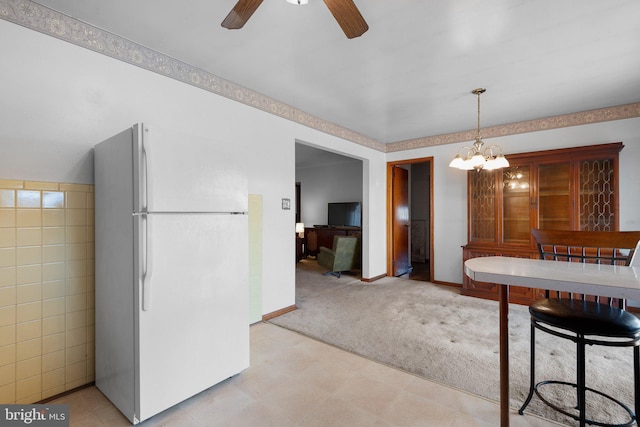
{"type": "Point", "coordinates": [586, 317]}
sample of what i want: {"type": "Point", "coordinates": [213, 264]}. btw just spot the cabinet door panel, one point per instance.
{"type": "Point", "coordinates": [482, 206]}
{"type": "Point", "coordinates": [516, 210]}
{"type": "Point", "coordinates": [554, 196]}
{"type": "Point", "coordinates": [597, 195]}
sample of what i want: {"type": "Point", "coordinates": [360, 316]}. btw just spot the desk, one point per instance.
{"type": "Point", "coordinates": [593, 279]}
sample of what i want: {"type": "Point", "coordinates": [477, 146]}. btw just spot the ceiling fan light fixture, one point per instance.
{"type": "Point", "coordinates": [345, 12]}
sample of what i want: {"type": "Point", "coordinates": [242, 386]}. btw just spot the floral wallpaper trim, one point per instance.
{"type": "Point", "coordinates": [42, 19]}
{"type": "Point", "coordinates": [575, 119]}
{"type": "Point", "coordinates": [47, 21]}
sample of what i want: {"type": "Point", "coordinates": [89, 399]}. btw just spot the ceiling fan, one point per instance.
{"type": "Point", "coordinates": [344, 11]}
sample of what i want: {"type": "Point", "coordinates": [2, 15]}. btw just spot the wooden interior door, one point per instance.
{"type": "Point", "coordinates": [400, 221]}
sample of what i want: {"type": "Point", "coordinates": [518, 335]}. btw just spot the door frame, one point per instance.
{"type": "Point", "coordinates": [390, 166]}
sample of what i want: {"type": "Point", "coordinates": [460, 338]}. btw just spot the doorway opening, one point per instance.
{"type": "Point", "coordinates": [329, 199]}
{"type": "Point", "coordinates": [410, 218]}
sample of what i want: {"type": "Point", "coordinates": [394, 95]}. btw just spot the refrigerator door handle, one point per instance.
{"type": "Point", "coordinates": [147, 264]}
{"type": "Point", "coordinates": [147, 183]}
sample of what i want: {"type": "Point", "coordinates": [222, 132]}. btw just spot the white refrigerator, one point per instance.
{"type": "Point", "coordinates": [172, 298]}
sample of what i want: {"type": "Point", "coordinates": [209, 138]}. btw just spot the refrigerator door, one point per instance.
{"type": "Point", "coordinates": [194, 330]}
{"type": "Point", "coordinates": [178, 172]}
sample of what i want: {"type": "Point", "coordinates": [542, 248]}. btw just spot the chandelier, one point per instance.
{"type": "Point", "coordinates": [478, 156]}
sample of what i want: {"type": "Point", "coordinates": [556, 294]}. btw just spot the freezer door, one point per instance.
{"type": "Point", "coordinates": [194, 331]}
{"type": "Point", "coordinates": [178, 172]}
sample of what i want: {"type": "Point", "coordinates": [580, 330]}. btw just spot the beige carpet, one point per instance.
{"type": "Point", "coordinates": [434, 332]}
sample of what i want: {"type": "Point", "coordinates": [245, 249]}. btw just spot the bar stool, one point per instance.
{"type": "Point", "coordinates": [585, 320]}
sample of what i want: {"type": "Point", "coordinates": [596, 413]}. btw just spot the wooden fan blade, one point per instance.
{"type": "Point", "coordinates": [240, 14]}
{"type": "Point", "coordinates": [348, 17]}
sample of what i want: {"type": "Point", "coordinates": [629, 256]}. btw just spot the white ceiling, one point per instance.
{"type": "Point", "coordinates": [411, 74]}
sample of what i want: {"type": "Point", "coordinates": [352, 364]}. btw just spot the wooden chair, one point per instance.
{"type": "Point", "coordinates": [586, 319]}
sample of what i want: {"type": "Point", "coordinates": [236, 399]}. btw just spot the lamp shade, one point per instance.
{"type": "Point", "coordinates": [491, 164]}
{"type": "Point", "coordinates": [501, 161]}
{"type": "Point", "coordinates": [299, 227]}
{"type": "Point", "coordinates": [478, 160]}
{"type": "Point", "coordinates": [456, 162]}
{"type": "Point", "coordinates": [466, 165]}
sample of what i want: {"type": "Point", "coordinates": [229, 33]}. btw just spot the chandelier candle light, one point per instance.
{"type": "Point", "coordinates": [477, 157]}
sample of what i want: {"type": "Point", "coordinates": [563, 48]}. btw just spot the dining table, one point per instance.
{"type": "Point", "coordinates": [593, 279]}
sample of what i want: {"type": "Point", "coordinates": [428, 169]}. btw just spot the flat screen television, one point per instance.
{"type": "Point", "coordinates": [345, 214]}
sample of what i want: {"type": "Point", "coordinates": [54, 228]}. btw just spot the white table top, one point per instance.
{"type": "Point", "coordinates": [592, 279]}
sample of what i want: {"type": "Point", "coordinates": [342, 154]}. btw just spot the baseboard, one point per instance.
{"type": "Point", "coordinates": [65, 393]}
{"type": "Point", "coordinates": [277, 313]}
{"type": "Point", "coordinates": [373, 279]}
{"type": "Point", "coordinates": [440, 282]}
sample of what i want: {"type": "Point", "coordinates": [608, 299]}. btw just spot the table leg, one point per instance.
{"type": "Point", "coordinates": [503, 296]}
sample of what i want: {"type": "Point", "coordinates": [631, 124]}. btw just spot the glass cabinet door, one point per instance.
{"type": "Point", "coordinates": [516, 211]}
{"type": "Point", "coordinates": [567, 189]}
{"type": "Point", "coordinates": [597, 195]}
{"type": "Point", "coordinates": [482, 206]}
{"type": "Point", "coordinates": [554, 196]}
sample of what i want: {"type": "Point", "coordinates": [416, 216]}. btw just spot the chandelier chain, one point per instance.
{"type": "Point", "coordinates": [479, 91]}
{"type": "Point", "coordinates": [478, 115]}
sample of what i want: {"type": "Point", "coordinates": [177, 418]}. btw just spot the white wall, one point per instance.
{"type": "Point", "coordinates": [323, 184]}
{"type": "Point", "coordinates": [59, 100]}
{"type": "Point", "coordinates": [450, 185]}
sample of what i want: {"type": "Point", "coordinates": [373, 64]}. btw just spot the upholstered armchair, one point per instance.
{"type": "Point", "coordinates": [344, 256]}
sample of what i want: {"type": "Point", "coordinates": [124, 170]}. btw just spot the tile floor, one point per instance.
{"type": "Point", "coordinates": [297, 381]}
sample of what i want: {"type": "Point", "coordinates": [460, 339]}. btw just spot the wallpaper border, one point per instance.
{"type": "Point", "coordinates": [47, 21]}
{"type": "Point", "coordinates": [620, 112]}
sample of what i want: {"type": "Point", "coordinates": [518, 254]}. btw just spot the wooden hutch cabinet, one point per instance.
{"type": "Point", "coordinates": [565, 189]}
